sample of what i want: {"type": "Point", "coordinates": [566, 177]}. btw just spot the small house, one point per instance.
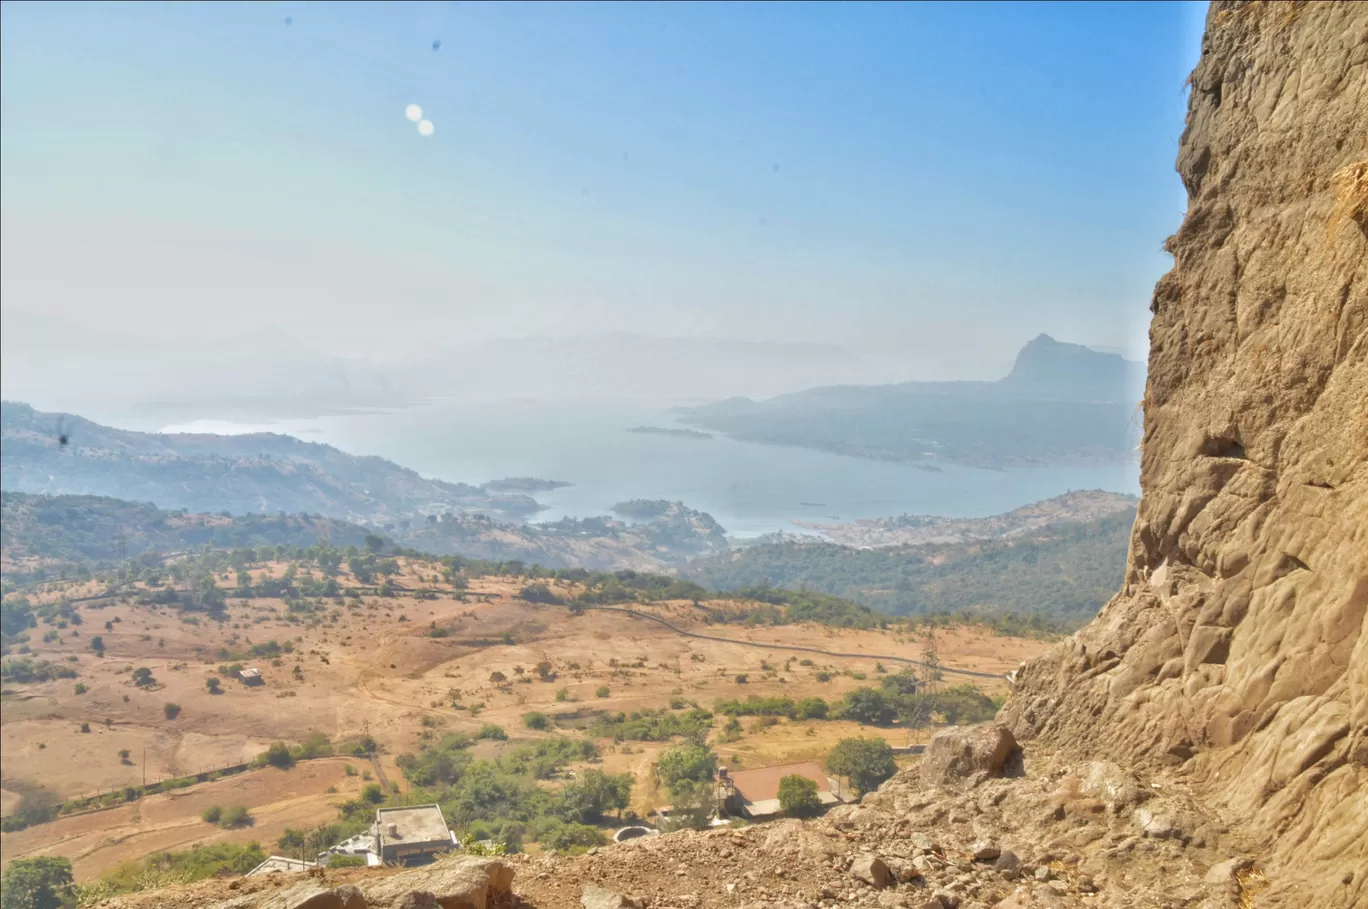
{"type": "Point", "coordinates": [411, 834]}
{"type": "Point", "coordinates": [251, 676]}
{"type": "Point", "coordinates": [754, 794]}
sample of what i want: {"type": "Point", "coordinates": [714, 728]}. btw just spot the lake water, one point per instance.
{"type": "Point", "coordinates": [749, 488]}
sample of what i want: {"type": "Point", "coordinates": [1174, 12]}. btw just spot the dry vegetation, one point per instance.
{"type": "Point", "coordinates": [372, 666]}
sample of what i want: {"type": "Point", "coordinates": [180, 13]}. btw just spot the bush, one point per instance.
{"type": "Point", "coordinates": [236, 816]}
{"type": "Point", "coordinates": [278, 755]}
{"type": "Point", "coordinates": [171, 710]}
{"type": "Point", "coordinates": [538, 592]}
{"type": "Point", "coordinates": [491, 731]}
{"type": "Point", "coordinates": [602, 691]}
{"type": "Point", "coordinates": [213, 686]}
{"type": "Point", "coordinates": [80, 688]}
{"type": "Point", "coordinates": [798, 796]}
{"type": "Point", "coordinates": [211, 815]}
{"type": "Point", "coordinates": [371, 792]}
{"type": "Point", "coordinates": [536, 720]}
{"type": "Point", "coordinates": [562, 694]}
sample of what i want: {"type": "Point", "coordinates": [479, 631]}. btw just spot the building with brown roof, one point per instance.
{"type": "Point", "coordinates": [755, 793]}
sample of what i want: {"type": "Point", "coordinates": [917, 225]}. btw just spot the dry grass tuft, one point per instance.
{"type": "Point", "coordinates": [1351, 197]}
{"type": "Point", "coordinates": [1252, 882]}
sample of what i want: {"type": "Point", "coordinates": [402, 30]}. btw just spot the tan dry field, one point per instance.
{"type": "Point", "coordinates": [375, 670]}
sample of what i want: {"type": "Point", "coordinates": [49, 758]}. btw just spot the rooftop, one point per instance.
{"type": "Point", "coordinates": [762, 784]}
{"type": "Point", "coordinates": [414, 823]}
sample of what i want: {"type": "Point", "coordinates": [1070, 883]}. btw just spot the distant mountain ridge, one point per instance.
{"type": "Point", "coordinates": [1061, 403]}
{"type": "Point", "coordinates": [241, 474]}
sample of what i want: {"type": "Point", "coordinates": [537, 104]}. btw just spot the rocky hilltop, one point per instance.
{"type": "Point", "coordinates": [1236, 650]}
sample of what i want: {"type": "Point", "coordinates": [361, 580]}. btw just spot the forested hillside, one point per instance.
{"type": "Point", "coordinates": [1063, 573]}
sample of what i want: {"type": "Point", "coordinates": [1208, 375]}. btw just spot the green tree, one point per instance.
{"type": "Point", "coordinates": [97, 644]}
{"type": "Point", "coordinates": [291, 841]}
{"type": "Point", "coordinates": [865, 762]}
{"type": "Point", "coordinates": [679, 767]}
{"type": "Point", "coordinates": [44, 882]}
{"type": "Point", "coordinates": [213, 685]}
{"type": "Point", "coordinates": [371, 792]}
{"type": "Point", "coordinates": [798, 796]}
{"type": "Point", "coordinates": [691, 807]}
{"type": "Point", "coordinates": [171, 711]}
{"type": "Point", "coordinates": [593, 794]}
{"type": "Point", "coordinates": [536, 720]}
{"type": "Point", "coordinates": [212, 815]}
{"type": "Point", "coordinates": [142, 677]}
{"type": "Point", "coordinates": [868, 706]}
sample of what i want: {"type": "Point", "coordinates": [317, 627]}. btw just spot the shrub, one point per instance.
{"type": "Point", "coordinates": [602, 691]}
{"type": "Point", "coordinates": [798, 796]}
{"type": "Point", "coordinates": [85, 727]}
{"type": "Point", "coordinates": [213, 685]}
{"type": "Point", "coordinates": [171, 710]}
{"type": "Point", "coordinates": [562, 694]}
{"type": "Point", "coordinates": [536, 720]}
{"type": "Point", "coordinates": [236, 816]}
{"type": "Point", "coordinates": [212, 815]}
{"type": "Point", "coordinates": [491, 731]}
{"type": "Point", "coordinates": [278, 755]}
{"type": "Point", "coordinates": [371, 792]}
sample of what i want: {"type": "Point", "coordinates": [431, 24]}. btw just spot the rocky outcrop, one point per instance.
{"type": "Point", "coordinates": [1236, 651]}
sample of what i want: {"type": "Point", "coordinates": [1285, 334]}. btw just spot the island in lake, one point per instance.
{"type": "Point", "coordinates": [671, 431]}
{"type": "Point", "coordinates": [524, 485]}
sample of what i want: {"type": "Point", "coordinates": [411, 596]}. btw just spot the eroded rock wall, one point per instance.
{"type": "Point", "coordinates": [1237, 649]}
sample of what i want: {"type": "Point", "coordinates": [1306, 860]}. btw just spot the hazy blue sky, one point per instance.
{"type": "Point", "coordinates": [892, 178]}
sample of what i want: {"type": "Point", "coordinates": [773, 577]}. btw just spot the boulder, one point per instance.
{"type": "Point", "coordinates": [455, 882]}
{"type": "Point", "coordinates": [351, 897]}
{"type": "Point", "coordinates": [595, 897]}
{"type": "Point", "coordinates": [1008, 864]}
{"type": "Point", "coordinates": [304, 895]}
{"type": "Point", "coordinates": [418, 899]}
{"type": "Point", "coordinates": [985, 851]}
{"type": "Point", "coordinates": [872, 870]}
{"type": "Point", "coordinates": [960, 752]}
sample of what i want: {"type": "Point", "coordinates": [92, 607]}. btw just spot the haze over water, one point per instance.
{"type": "Point", "coordinates": [749, 488]}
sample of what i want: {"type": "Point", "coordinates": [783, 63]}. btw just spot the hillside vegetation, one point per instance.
{"type": "Point", "coordinates": [1060, 575]}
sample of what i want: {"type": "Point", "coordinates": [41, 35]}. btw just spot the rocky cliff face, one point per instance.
{"type": "Point", "coordinates": [1237, 651]}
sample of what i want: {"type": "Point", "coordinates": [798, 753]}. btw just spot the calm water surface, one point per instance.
{"type": "Point", "coordinates": [749, 488]}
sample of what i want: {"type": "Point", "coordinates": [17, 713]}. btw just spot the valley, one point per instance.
{"type": "Point", "coordinates": [428, 657]}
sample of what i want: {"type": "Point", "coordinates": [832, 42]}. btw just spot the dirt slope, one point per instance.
{"type": "Point", "coordinates": [1236, 651]}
